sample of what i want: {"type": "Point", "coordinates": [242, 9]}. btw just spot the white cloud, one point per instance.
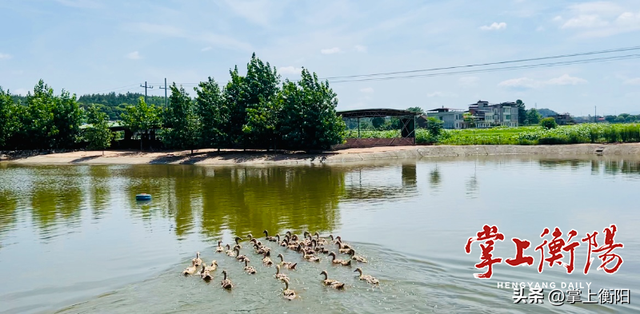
{"type": "Point", "coordinates": [600, 19]}
{"type": "Point", "coordinates": [329, 51]}
{"type": "Point", "coordinates": [585, 21]}
{"type": "Point", "coordinates": [367, 90]}
{"type": "Point", "coordinates": [494, 26]}
{"type": "Point", "coordinates": [520, 83]}
{"type": "Point", "coordinates": [540, 29]}
{"type": "Point", "coordinates": [632, 81]}
{"type": "Point", "coordinates": [206, 49]}
{"type": "Point", "coordinates": [289, 70]}
{"type": "Point", "coordinates": [599, 7]}
{"type": "Point", "coordinates": [468, 80]}
{"type": "Point", "coordinates": [565, 79]}
{"type": "Point", "coordinates": [361, 48]}
{"type": "Point", "coordinates": [5, 56]}
{"type": "Point", "coordinates": [133, 55]}
{"type": "Point", "coordinates": [529, 83]}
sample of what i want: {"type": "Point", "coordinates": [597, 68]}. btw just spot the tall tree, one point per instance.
{"type": "Point", "coordinates": [214, 114]}
{"type": "Point", "coordinates": [141, 118]}
{"type": "Point", "coordinates": [8, 118]}
{"type": "Point", "coordinates": [533, 116]}
{"type": "Point", "coordinates": [39, 125]}
{"type": "Point", "coordinates": [67, 117]}
{"type": "Point", "coordinates": [249, 98]}
{"type": "Point", "coordinates": [308, 117]}
{"type": "Point", "coordinates": [180, 116]}
{"type": "Point", "coordinates": [522, 112]}
{"type": "Point", "coordinates": [98, 134]}
{"type": "Point", "coordinates": [233, 96]}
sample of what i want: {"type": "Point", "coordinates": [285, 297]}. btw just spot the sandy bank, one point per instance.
{"type": "Point", "coordinates": [234, 157]}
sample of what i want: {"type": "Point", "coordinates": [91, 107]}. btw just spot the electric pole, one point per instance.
{"type": "Point", "coordinates": [165, 91]}
{"type": "Point", "coordinates": [595, 115]}
{"type": "Point", "coordinates": [145, 90]}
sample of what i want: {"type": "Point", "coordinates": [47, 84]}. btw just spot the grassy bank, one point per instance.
{"type": "Point", "coordinates": [528, 135]}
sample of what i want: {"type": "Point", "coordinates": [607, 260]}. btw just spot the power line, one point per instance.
{"type": "Point", "coordinates": [528, 66]}
{"type": "Point", "coordinates": [487, 64]}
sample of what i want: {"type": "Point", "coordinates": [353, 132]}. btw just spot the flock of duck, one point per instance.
{"type": "Point", "coordinates": [309, 246]}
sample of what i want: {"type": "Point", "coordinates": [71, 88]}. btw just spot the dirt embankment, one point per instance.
{"type": "Point", "coordinates": [235, 157]}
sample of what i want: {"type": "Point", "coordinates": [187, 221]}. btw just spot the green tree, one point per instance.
{"type": "Point", "coordinates": [308, 117]}
{"type": "Point", "coordinates": [416, 110]}
{"type": "Point", "coordinates": [8, 118]}
{"type": "Point", "coordinates": [214, 114]}
{"type": "Point", "coordinates": [469, 119]}
{"type": "Point", "coordinates": [533, 116]}
{"type": "Point", "coordinates": [434, 126]}
{"type": "Point", "coordinates": [141, 118]}
{"type": "Point", "coordinates": [182, 120]}
{"type": "Point", "coordinates": [67, 117]}
{"type": "Point", "coordinates": [262, 123]}
{"type": "Point", "coordinates": [522, 112]}
{"type": "Point", "coordinates": [549, 123]}
{"type": "Point", "coordinates": [233, 96]}
{"type": "Point", "coordinates": [248, 99]}
{"type": "Point", "coordinates": [377, 122]}
{"type": "Point", "coordinates": [98, 135]}
{"type": "Point", "coordinates": [39, 125]}
{"type": "Point", "coordinates": [260, 86]}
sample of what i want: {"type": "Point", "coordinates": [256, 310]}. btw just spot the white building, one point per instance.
{"type": "Point", "coordinates": [451, 118]}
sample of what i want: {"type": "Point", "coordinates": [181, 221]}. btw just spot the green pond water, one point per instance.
{"type": "Point", "coordinates": [73, 239]}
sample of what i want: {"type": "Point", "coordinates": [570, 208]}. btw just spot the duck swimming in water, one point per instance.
{"type": "Point", "coordinates": [230, 252]}
{"type": "Point", "coordinates": [331, 282]}
{"type": "Point", "coordinates": [191, 269]}
{"type": "Point", "coordinates": [355, 257]}
{"type": "Point", "coordinates": [368, 278]}
{"type": "Point", "coordinates": [288, 265]}
{"type": "Point", "coordinates": [267, 237]}
{"type": "Point", "coordinates": [288, 293]}
{"type": "Point", "coordinates": [239, 257]}
{"type": "Point", "coordinates": [213, 267]}
{"type": "Point", "coordinates": [339, 261]}
{"type": "Point", "coordinates": [219, 248]}
{"type": "Point", "coordinates": [266, 260]}
{"type": "Point", "coordinates": [205, 274]}
{"type": "Point", "coordinates": [279, 275]}
{"type": "Point", "coordinates": [226, 283]}
{"type": "Point", "coordinates": [197, 260]}
{"type": "Point", "coordinates": [249, 269]}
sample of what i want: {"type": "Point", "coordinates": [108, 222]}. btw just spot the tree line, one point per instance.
{"type": "Point", "coordinates": [255, 110]}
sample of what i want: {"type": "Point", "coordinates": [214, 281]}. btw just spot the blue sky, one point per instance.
{"type": "Point", "coordinates": [88, 46]}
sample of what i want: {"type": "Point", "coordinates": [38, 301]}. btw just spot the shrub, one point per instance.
{"type": "Point", "coordinates": [548, 123]}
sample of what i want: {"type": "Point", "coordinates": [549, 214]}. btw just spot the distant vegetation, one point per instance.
{"type": "Point", "coordinates": [527, 135]}
{"type": "Point", "coordinates": [252, 111]}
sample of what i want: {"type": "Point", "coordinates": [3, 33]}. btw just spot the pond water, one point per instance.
{"type": "Point", "coordinates": [74, 240]}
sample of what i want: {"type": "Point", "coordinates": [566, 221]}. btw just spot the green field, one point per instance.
{"type": "Point", "coordinates": [527, 135]}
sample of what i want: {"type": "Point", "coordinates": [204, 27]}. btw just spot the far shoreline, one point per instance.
{"type": "Point", "coordinates": [211, 157]}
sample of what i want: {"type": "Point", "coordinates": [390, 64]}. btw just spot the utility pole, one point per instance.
{"type": "Point", "coordinates": [145, 90]}
{"type": "Point", "coordinates": [165, 91]}
{"type": "Point", "coordinates": [595, 115]}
